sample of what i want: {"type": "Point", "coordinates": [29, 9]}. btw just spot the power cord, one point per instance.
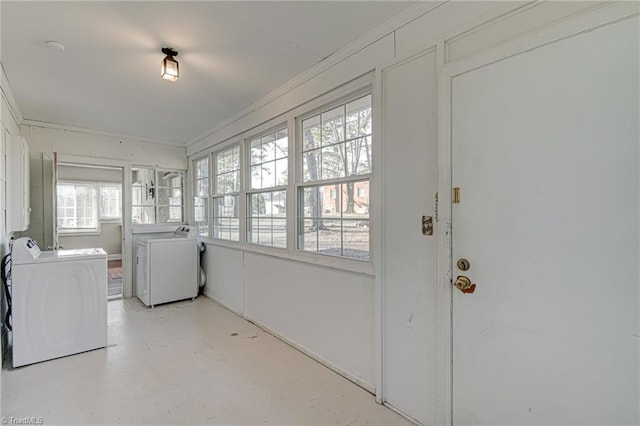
{"type": "Point", "coordinates": [5, 272]}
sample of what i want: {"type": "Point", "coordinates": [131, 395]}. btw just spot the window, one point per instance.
{"type": "Point", "coordinates": [226, 206]}
{"type": "Point", "coordinates": [156, 196]}
{"type": "Point", "coordinates": [76, 207]}
{"type": "Point", "coordinates": [269, 170]}
{"type": "Point", "coordinates": [110, 201]}
{"type": "Point", "coordinates": [333, 198]}
{"type": "Point", "coordinates": [170, 197]}
{"type": "Point", "coordinates": [201, 196]}
{"type": "Point", "coordinates": [80, 206]}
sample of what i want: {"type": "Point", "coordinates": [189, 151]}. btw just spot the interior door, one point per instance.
{"type": "Point", "coordinates": [545, 153]}
{"type": "Point", "coordinates": [409, 275]}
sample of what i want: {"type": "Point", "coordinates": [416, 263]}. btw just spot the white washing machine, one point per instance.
{"type": "Point", "coordinates": [59, 301]}
{"type": "Point", "coordinates": [167, 267]}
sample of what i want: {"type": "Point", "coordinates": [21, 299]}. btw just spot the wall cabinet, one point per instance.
{"type": "Point", "coordinates": [18, 208]}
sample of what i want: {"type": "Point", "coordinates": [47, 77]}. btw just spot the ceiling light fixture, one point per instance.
{"type": "Point", "coordinates": [169, 69]}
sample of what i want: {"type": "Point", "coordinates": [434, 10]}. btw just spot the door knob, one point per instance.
{"type": "Point", "coordinates": [464, 284]}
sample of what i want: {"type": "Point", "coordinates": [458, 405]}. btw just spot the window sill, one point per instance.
{"type": "Point", "coordinates": [87, 233]}
{"type": "Point", "coordinates": [325, 261]}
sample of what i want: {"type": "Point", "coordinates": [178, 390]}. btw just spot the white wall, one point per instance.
{"type": "Point", "coordinates": [85, 147]}
{"type": "Point", "coordinates": [93, 145]}
{"type": "Point", "coordinates": [327, 312]}
{"type": "Point", "coordinates": [10, 115]}
{"type": "Point", "coordinates": [302, 302]}
{"type": "Point", "coordinates": [109, 239]}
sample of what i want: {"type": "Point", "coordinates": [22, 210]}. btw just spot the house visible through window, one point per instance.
{"type": "Point", "coordinates": [333, 199]}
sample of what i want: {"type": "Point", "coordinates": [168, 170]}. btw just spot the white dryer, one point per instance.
{"type": "Point", "coordinates": [167, 267]}
{"type": "Point", "coordinates": [59, 301]}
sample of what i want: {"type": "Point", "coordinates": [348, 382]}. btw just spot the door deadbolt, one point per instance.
{"type": "Point", "coordinates": [463, 264]}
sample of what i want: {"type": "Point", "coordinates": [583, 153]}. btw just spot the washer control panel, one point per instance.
{"type": "Point", "coordinates": [25, 248]}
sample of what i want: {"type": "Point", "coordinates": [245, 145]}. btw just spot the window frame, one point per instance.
{"type": "Point", "coordinates": [155, 194]}
{"type": "Point", "coordinates": [215, 194]}
{"type": "Point", "coordinates": [300, 182]}
{"type": "Point", "coordinates": [249, 191]}
{"type": "Point", "coordinates": [355, 89]}
{"type": "Point", "coordinates": [196, 195]}
{"type": "Point", "coordinates": [98, 216]}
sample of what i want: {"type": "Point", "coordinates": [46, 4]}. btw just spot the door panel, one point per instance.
{"type": "Point", "coordinates": [545, 151]}
{"type": "Point", "coordinates": [409, 273]}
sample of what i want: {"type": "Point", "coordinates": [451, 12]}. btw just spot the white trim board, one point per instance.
{"type": "Point", "coordinates": [47, 125]}
{"type": "Point", "coordinates": [7, 95]}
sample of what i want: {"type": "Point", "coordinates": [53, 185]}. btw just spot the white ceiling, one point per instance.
{"type": "Point", "coordinates": [230, 53]}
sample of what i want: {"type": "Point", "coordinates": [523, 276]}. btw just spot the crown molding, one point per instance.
{"type": "Point", "coordinates": [7, 96]}
{"type": "Point", "coordinates": [408, 15]}
{"type": "Point", "coordinates": [56, 126]}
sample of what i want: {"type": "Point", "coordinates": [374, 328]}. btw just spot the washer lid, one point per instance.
{"type": "Point", "coordinates": [64, 256]}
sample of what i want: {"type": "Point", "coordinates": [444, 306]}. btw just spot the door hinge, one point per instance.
{"type": "Point", "coordinates": [436, 207]}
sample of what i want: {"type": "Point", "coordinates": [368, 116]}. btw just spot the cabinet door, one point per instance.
{"type": "Point", "coordinates": [18, 217]}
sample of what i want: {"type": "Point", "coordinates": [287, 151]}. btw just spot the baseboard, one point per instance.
{"type": "Point", "coordinates": [114, 257]}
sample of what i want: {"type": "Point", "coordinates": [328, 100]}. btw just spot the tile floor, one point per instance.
{"type": "Point", "coordinates": [180, 364]}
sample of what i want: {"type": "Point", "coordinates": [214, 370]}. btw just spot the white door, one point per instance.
{"type": "Point", "coordinates": [546, 152]}
{"type": "Point", "coordinates": [409, 95]}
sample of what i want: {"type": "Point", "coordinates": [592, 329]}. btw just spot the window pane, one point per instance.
{"type": "Point", "coordinates": [202, 168]}
{"type": "Point", "coordinates": [170, 214]}
{"type": "Point", "coordinates": [266, 211]}
{"type": "Point", "coordinates": [355, 237]}
{"type": "Point", "coordinates": [329, 238]}
{"type": "Point", "coordinates": [282, 144]}
{"type": "Point", "coordinates": [336, 219]}
{"type": "Point", "coordinates": [279, 233]}
{"type": "Point", "coordinates": [226, 217]}
{"type": "Point", "coordinates": [256, 151]}
{"type": "Point", "coordinates": [77, 206]}
{"type": "Point", "coordinates": [171, 179]}
{"type": "Point", "coordinates": [281, 172]}
{"type": "Point", "coordinates": [202, 187]}
{"type": "Point", "coordinates": [142, 176]}
{"type": "Point", "coordinates": [333, 162]}
{"type": "Point", "coordinates": [201, 216]}
{"type": "Point", "coordinates": [359, 118]}
{"type": "Point", "coordinates": [312, 165]}
{"type": "Point", "coordinates": [333, 126]}
{"type": "Point", "coordinates": [170, 196]}
{"type": "Point", "coordinates": [227, 174]}
{"type": "Point", "coordinates": [308, 235]}
{"type": "Point", "coordinates": [268, 175]}
{"type": "Point", "coordinates": [311, 133]}
{"type": "Point", "coordinates": [110, 201]}
{"type": "Point", "coordinates": [143, 215]}
{"type": "Point", "coordinates": [268, 147]}
{"type": "Point", "coordinates": [269, 164]}
{"type": "Point", "coordinates": [358, 160]}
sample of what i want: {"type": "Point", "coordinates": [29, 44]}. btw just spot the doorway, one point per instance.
{"type": "Point", "coordinates": [89, 212]}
